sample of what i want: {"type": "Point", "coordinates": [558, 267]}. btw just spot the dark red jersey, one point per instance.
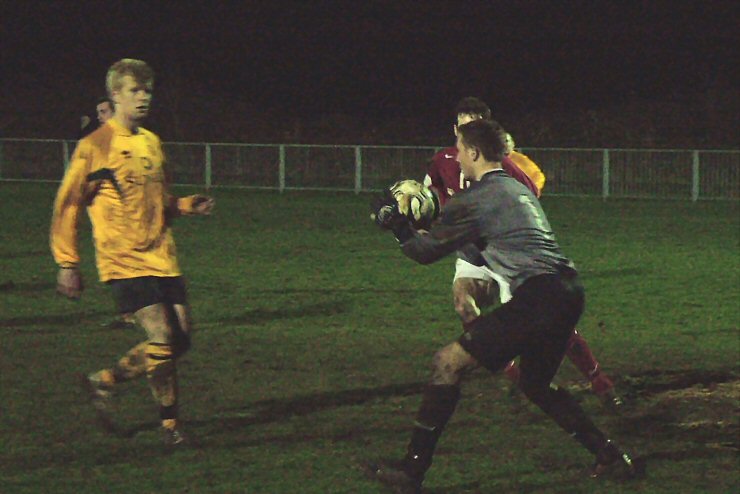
{"type": "Point", "coordinates": [445, 177]}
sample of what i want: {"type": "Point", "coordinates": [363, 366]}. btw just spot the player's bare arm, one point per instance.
{"type": "Point", "coordinates": [203, 205]}
{"type": "Point", "coordinates": [193, 205]}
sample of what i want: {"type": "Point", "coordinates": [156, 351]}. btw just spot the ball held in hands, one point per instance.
{"type": "Point", "coordinates": [416, 201]}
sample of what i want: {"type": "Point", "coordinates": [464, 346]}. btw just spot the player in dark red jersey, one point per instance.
{"type": "Point", "coordinates": [473, 286]}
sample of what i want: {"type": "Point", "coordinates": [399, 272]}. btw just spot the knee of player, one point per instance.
{"type": "Point", "coordinates": [159, 358]}
{"type": "Point", "coordinates": [466, 307]}
{"type": "Point", "coordinates": [445, 366]}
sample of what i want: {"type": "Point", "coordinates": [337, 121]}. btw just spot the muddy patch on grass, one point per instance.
{"type": "Point", "coordinates": [653, 382]}
{"type": "Point", "coordinates": [700, 409]}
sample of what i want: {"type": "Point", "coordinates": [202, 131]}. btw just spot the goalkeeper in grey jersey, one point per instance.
{"type": "Point", "coordinates": [501, 223]}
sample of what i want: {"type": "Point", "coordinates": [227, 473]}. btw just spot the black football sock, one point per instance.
{"type": "Point", "coordinates": [568, 414]}
{"type": "Point", "coordinates": [162, 374]}
{"type": "Point", "coordinates": [437, 406]}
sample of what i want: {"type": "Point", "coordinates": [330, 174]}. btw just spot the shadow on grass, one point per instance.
{"type": "Point", "coordinates": [72, 318]}
{"type": "Point", "coordinates": [467, 488]}
{"type": "Point", "coordinates": [276, 410]}
{"type": "Point", "coordinates": [474, 487]}
{"type": "Point", "coordinates": [27, 287]}
{"type": "Point", "coordinates": [258, 316]}
{"type": "Point", "coordinates": [307, 404]}
{"type": "Point", "coordinates": [24, 254]}
{"type": "Point", "coordinates": [279, 410]}
{"type": "Point", "coordinates": [358, 289]}
{"type": "Point", "coordinates": [231, 429]}
{"type": "Point", "coordinates": [322, 291]}
{"type": "Point", "coordinates": [614, 273]}
{"type": "Point", "coordinates": [658, 381]}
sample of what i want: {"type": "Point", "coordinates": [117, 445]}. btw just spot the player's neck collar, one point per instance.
{"type": "Point", "coordinates": [122, 129]}
{"type": "Point", "coordinates": [492, 172]}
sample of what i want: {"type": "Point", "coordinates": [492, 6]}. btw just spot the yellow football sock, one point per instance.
{"type": "Point", "coordinates": [170, 424]}
{"type": "Point", "coordinates": [105, 377]}
{"type": "Point", "coordinates": [131, 365]}
{"type": "Point", "coordinates": [162, 373]}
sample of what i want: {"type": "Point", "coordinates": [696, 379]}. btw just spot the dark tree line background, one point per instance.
{"type": "Point", "coordinates": [575, 73]}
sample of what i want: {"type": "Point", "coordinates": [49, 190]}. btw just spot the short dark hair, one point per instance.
{"type": "Point", "coordinates": [105, 99]}
{"type": "Point", "coordinates": [471, 105]}
{"type": "Point", "coordinates": [486, 135]}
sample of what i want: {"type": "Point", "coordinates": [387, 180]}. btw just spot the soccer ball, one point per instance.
{"type": "Point", "coordinates": [416, 201]}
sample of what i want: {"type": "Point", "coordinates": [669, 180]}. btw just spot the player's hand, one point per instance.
{"type": "Point", "coordinates": [203, 205]}
{"type": "Point", "coordinates": [69, 283]}
{"type": "Point", "coordinates": [385, 212]}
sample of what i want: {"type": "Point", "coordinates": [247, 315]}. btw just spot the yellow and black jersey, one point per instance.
{"type": "Point", "coordinates": [118, 175]}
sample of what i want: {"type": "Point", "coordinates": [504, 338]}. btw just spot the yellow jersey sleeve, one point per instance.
{"type": "Point", "coordinates": [67, 205]}
{"type": "Point", "coordinates": [529, 167]}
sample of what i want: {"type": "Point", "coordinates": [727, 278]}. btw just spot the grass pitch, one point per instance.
{"type": "Point", "coordinates": [315, 335]}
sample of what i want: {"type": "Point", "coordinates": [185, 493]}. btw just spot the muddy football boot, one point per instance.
{"type": "Point", "coordinates": [611, 461]}
{"type": "Point", "coordinates": [394, 476]}
{"type": "Point", "coordinates": [100, 398]}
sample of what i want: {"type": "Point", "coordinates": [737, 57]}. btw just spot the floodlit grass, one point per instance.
{"type": "Point", "coordinates": [315, 335]}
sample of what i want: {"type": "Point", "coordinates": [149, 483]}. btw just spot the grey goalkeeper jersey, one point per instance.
{"type": "Point", "coordinates": [498, 221]}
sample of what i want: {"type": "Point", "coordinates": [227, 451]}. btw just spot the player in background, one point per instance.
{"type": "Point", "coordinates": [473, 287]}
{"type": "Point", "coordinates": [443, 171]}
{"type": "Point", "coordinates": [103, 112]}
{"type": "Point", "coordinates": [117, 173]}
{"type": "Point", "coordinates": [505, 223]}
{"type": "Point", "coordinates": [524, 163]}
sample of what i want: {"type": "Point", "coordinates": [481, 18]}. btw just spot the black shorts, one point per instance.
{"type": "Point", "coordinates": [534, 325]}
{"type": "Point", "coordinates": [132, 294]}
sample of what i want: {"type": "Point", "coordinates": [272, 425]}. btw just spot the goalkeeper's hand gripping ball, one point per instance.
{"type": "Point", "coordinates": [417, 202]}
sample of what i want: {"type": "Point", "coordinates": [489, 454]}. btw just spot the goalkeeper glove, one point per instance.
{"type": "Point", "coordinates": [386, 215]}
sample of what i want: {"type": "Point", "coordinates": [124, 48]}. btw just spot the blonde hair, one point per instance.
{"type": "Point", "coordinates": [138, 69]}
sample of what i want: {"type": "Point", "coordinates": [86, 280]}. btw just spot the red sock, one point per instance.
{"type": "Point", "coordinates": [512, 372]}
{"type": "Point", "coordinates": [580, 354]}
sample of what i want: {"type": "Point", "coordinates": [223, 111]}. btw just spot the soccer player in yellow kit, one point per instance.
{"type": "Point", "coordinates": [525, 163]}
{"type": "Point", "coordinates": [117, 173]}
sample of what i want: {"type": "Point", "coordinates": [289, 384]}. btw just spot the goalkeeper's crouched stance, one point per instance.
{"type": "Point", "coordinates": [505, 223]}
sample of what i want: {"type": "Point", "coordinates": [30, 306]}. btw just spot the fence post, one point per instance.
{"type": "Point", "coordinates": [208, 166]}
{"type": "Point", "coordinates": [695, 176]}
{"type": "Point", "coordinates": [281, 167]}
{"type": "Point", "coordinates": [358, 169]}
{"type": "Point", "coordinates": [605, 175]}
{"type": "Point", "coordinates": [1, 160]}
{"type": "Point", "coordinates": [65, 155]}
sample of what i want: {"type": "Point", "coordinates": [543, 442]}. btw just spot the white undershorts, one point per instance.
{"type": "Point", "coordinates": [463, 269]}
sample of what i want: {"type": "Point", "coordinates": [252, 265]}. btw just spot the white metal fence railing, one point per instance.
{"type": "Point", "coordinates": [659, 173]}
